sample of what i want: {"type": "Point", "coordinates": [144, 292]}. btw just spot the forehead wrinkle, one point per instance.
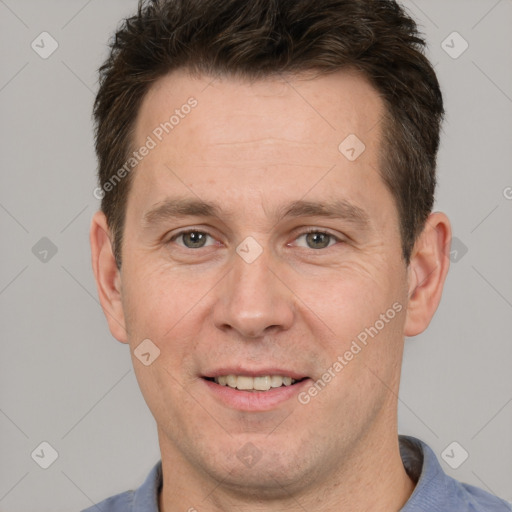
{"type": "Point", "coordinates": [270, 141]}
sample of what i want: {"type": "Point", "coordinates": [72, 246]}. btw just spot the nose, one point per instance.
{"type": "Point", "coordinates": [253, 300]}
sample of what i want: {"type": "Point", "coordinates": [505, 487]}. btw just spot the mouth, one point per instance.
{"type": "Point", "coordinates": [252, 384]}
{"type": "Point", "coordinates": [254, 391]}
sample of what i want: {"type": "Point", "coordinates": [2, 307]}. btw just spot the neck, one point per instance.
{"type": "Point", "coordinates": [370, 478]}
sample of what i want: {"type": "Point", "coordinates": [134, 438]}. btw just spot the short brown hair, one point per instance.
{"type": "Point", "coordinates": [260, 38]}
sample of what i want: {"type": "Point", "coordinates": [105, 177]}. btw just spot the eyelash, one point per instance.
{"type": "Point", "coordinates": [312, 230]}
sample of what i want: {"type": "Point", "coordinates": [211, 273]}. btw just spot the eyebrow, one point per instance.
{"type": "Point", "coordinates": [172, 208]}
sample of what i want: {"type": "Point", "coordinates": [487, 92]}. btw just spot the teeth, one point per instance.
{"type": "Point", "coordinates": [263, 383]}
{"type": "Point", "coordinates": [244, 382]}
{"type": "Point", "coordinates": [276, 381]}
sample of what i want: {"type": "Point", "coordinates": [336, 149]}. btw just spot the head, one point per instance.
{"type": "Point", "coordinates": [278, 220]}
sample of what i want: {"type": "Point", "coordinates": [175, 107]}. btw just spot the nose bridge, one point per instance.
{"type": "Point", "coordinates": [253, 299]}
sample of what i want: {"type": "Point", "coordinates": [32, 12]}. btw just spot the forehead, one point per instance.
{"type": "Point", "coordinates": [277, 138]}
{"type": "Point", "coordinates": [325, 108]}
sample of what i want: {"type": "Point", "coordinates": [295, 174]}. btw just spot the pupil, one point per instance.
{"type": "Point", "coordinates": [317, 240]}
{"type": "Point", "coordinates": [194, 239]}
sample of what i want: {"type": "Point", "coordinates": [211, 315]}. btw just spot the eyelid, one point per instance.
{"type": "Point", "coordinates": [319, 230]}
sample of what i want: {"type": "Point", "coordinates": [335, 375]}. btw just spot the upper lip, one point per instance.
{"type": "Point", "coordinates": [256, 372]}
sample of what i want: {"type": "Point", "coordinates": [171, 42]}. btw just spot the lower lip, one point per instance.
{"type": "Point", "coordinates": [254, 401]}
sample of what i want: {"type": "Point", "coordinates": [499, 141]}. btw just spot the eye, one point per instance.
{"type": "Point", "coordinates": [317, 240]}
{"type": "Point", "coordinates": [192, 239]}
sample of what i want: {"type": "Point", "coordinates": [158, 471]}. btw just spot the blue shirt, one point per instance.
{"type": "Point", "coordinates": [435, 491]}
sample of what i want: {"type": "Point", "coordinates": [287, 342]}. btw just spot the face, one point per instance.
{"type": "Point", "coordinates": [254, 247]}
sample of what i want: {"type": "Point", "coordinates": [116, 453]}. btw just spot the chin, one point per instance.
{"type": "Point", "coordinates": [258, 466]}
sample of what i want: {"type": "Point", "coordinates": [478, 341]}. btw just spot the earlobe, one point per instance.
{"type": "Point", "coordinates": [107, 275]}
{"type": "Point", "coordinates": [427, 273]}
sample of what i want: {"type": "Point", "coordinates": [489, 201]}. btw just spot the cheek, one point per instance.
{"type": "Point", "coordinates": [160, 302]}
{"type": "Point", "coordinates": [356, 315]}
{"type": "Point", "coordinates": [163, 306]}
{"type": "Point", "coordinates": [351, 296]}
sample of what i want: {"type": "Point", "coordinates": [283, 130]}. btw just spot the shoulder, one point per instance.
{"type": "Point", "coordinates": [479, 500]}
{"type": "Point", "coordinates": [119, 503]}
{"type": "Point", "coordinates": [144, 499]}
{"type": "Point", "coordinates": [435, 490]}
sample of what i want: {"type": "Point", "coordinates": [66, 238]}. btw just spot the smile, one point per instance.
{"type": "Point", "coordinates": [263, 391]}
{"type": "Point", "coordinates": [248, 383]}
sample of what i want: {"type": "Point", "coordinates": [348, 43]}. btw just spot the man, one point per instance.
{"type": "Point", "coordinates": [265, 242]}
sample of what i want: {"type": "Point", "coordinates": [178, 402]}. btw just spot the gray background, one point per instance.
{"type": "Point", "coordinates": [66, 381]}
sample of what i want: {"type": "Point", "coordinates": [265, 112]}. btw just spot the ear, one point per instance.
{"type": "Point", "coordinates": [427, 273]}
{"type": "Point", "coordinates": [108, 276]}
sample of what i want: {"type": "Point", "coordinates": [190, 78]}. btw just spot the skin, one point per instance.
{"type": "Point", "coordinates": [253, 147]}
